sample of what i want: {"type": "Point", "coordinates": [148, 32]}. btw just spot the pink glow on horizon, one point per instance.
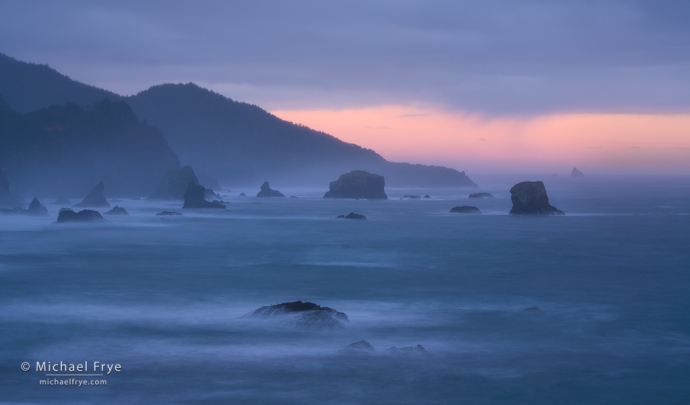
{"type": "Point", "coordinates": [595, 143]}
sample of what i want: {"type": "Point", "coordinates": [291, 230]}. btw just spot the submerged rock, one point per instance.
{"type": "Point", "coordinates": [576, 173]}
{"type": "Point", "coordinates": [411, 197]}
{"type": "Point", "coordinates": [480, 195]}
{"type": "Point", "coordinates": [352, 215]}
{"type": "Point", "coordinates": [174, 184]}
{"type": "Point", "coordinates": [168, 213]}
{"type": "Point", "coordinates": [67, 215]}
{"type": "Point", "coordinates": [361, 347]}
{"type": "Point", "coordinates": [36, 208]}
{"type": "Point", "coordinates": [529, 198]}
{"type": "Point", "coordinates": [194, 198]}
{"type": "Point", "coordinates": [61, 200]}
{"type": "Point", "coordinates": [95, 198]}
{"type": "Point", "coordinates": [534, 309]}
{"type": "Point", "coordinates": [358, 184]}
{"type": "Point", "coordinates": [466, 209]}
{"type": "Point", "coordinates": [116, 211]}
{"type": "Point", "coordinates": [266, 191]}
{"type": "Point", "coordinates": [304, 315]}
{"type": "Point", "coordinates": [415, 350]}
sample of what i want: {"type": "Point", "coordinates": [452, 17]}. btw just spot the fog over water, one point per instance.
{"type": "Point", "coordinates": [165, 297]}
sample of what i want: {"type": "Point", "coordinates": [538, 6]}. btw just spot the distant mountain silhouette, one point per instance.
{"type": "Point", "coordinates": [68, 149]}
{"type": "Point", "coordinates": [28, 87]}
{"type": "Point", "coordinates": [234, 142]}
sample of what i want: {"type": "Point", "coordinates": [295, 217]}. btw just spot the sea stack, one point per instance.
{"type": "Point", "coordinates": [576, 173]}
{"type": "Point", "coordinates": [67, 215]}
{"type": "Point", "coordinates": [358, 184]}
{"type": "Point", "coordinates": [266, 191]}
{"type": "Point", "coordinates": [194, 198]}
{"type": "Point", "coordinates": [95, 198]}
{"type": "Point", "coordinates": [529, 198]}
{"type": "Point", "coordinates": [173, 184]}
{"type": "Point", "coordinates": [36, 208]}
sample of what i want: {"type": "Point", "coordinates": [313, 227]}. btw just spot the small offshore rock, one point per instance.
{"type": "Point", "coordinates": [361, 347]}
{"type": "Point", "coordinates": [352, 215]}
{"type": "Point", "coordinates": [61, 200]}
{"type": "Point", "coordinates": [304, 315]}
{"type": "Point", "coordinates": [576, 173]}
{"type": "Point", "coordinates": [480, 195]}
{"type": "Point", "coordinates": [67, 215]}
{"type": "Point", "coordinates": [36, 208]}
{"type": "Point", "coordinates": [116, 211]}
{"type": "Point", "coordinates": [358, 184]}
{"type": "Point", "coordinates": [267, 192]}
{"type": "Point", "coordinates": [169, 213]}
{"type": "Point", "coordinates": [416, 350]}
{"type": "Point", "coordinates": [411, 197]}
{"type": "Point", "coordinates": [243, 194]}
{"type": "Point", "coordinates": [293, 196]}
{"type": "Point", "coordinates": [427, 196]}
{"type": "Point", "coordinates": [466, 209]}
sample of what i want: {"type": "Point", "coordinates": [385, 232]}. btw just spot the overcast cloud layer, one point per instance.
{"type": "Point", "coordinates": [489, 57]}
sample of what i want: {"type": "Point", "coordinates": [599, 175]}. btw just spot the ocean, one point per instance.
{"type": "Point", "coordinates": [166, 299]}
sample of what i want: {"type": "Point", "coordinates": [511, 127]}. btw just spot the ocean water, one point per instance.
{"type": "Point", "coordinates": [165, 299]}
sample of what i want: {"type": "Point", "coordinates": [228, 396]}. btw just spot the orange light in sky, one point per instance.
{"type": "Point", "coordinates": [596, 143]}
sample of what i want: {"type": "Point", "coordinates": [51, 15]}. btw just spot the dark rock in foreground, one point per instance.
{"type": "Point", "coordinates": [168, 213]}
{"type": "Point", "coordinates": [529, 198]}
{"type": "Point", "coordinates": [361, 347]}
{"type": "Point", "coordinates": [358, 184]}
{"type": "Point", "coordinates": [352, 215]}
{"type": "Point", "coordinates": [61, 200]}
{"type": "Point", "coordinates": [67, 215]}
{"type": "Point", "coordinates": [95, 198]}
{"type": "Point", "coordinates": [116, 211]}
{"type": "Point", "coordinates": [576, 173]}
{"type": "Point", "coordinates": [534, 310]}
{"type": "Point", "coordinates": [411, 197]}
{"type": "Point", "coordinates": [304, 315]}
{"type": "Point", "coordinates": [480, 195]}
{"type": "Point", "coordinates": [173, 184]}
{"type": "Point", "coordinates": [466, 209]}
{"type": "Point", "coordinates": [417, 350]}
{"type": "Point", "coordinates": [266, 191]}
{"type": "Point", "coordinates": [36, 208]}
{"type": "Point", "coordinates": [194, 198]}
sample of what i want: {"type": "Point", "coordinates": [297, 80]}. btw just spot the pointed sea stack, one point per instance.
{"type": "Point", "coordinates": [358, 184]}
{"type": "Point", "coordinates": [529, 198]}
{"type": "Point", "coordinates": [95, 198]}
{"type": "Point", "coordinates": [36, 208]}
{"type": "Point", "coordinates": [576, 173]}
{"type": "Point", "coordinates": [174, 183]}
{"type": "Point", "coordinates": [194, 198]}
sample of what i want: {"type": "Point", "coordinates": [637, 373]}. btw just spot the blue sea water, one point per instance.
{"type": "Point", "coordinates": [165, 298]}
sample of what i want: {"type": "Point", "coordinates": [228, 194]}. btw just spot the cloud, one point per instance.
{"type": "Point", "coordinates": [493, 58]}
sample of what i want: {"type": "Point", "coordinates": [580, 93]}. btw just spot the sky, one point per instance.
{"type": "Point", "coordinates": [482, 86]}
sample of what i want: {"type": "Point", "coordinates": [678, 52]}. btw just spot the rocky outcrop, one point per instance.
{"type": "Point", "coordinates": [411, 197]}
{"type": "Point", "coordinates": [465, 209]}
{"type": "Point", "coordinates": [95, 198]}
{"type": "Point", "coordinates": [194, 198]}
{"type": "Point", "coordinates": [413, 350]}
{"type": "Point", "coordinates": [61, 200]}
{"type": "Point", "coordinates": [576, 173]}
{"type": "Point", "coordinates": [173, 184]}
{"type": "Point", "coordinates": [7, 199]}
{"type": "Point", "coordinates": [529, 198]}
{"type": "Point", "coordinates": [116, 211]}
{"type": "Point", "coordinates": [303, 315]}
{"type": "Point", "coordinates": [67, 215]}
{"type": "Point", "coordinates": [36, 208]}
{"type": "Point", "coordinates": [358, 184]}
{"type": "Point", "coordinates": [480, 195]}
{"type": "Point", "coordinates": [266, 191]}
{"type": "Point", "coordinates": [352, 215]}
{"type": "Point", "coordinates": [358, 348]}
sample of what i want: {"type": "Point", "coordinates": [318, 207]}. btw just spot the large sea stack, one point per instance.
{"type": "Point", "coordinates": [174, 184]}
{"type": "Point", "coordinates": [266, 191]}
{"type": "Point", "coordinates": [358, 184]}
{"type": "Point", "coordinates": [95, 198]}
{"type": "Point", "coordinates": [529, 197]}
{"type": "Point", "coordinates": [194, 198]}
